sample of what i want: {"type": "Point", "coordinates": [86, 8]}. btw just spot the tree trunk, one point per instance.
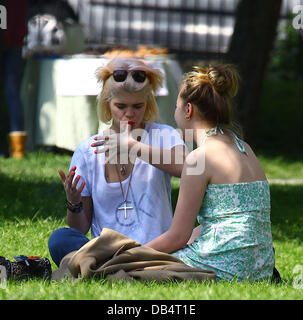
{"type": "Point", "coordinates": [252, 41]}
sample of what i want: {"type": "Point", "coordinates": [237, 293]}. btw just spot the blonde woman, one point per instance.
{"type": "Point", "coordinates": [230, 198]}
{"type": "Point", "coordinates": [132, 194]}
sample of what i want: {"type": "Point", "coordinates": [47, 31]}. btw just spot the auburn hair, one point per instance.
{"type": "Point", "coordinates": [212, 89]}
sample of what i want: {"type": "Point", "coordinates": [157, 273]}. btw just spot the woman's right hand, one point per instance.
{"type": "Point", "coordinates": [73, 195]}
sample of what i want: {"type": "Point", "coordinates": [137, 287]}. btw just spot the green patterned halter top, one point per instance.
{"type": "Point", "coordinates": [235, 239]}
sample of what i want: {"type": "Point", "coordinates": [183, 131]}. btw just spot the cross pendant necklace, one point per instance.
{"type": "Point", "coordinates": [124, 207]}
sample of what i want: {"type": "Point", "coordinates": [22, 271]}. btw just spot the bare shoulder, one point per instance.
{"type": "Point", "coordinates": [215, 145]}
{"type": "Point", "coordinates": [195, 164]}
{"type": "Point", "coordinates": [195, 155]}
{"type": "Point", "coordinates": [226, 164]}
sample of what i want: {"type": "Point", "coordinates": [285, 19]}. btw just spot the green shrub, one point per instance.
{"type": "Point", "coordinates": [287, 57]}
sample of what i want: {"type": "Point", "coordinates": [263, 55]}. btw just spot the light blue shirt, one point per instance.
{"type": "Point", "coordinates": [149, 193]}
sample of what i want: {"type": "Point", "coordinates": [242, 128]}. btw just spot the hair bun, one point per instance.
{"type": "Point", "coordinates": [224, 79]}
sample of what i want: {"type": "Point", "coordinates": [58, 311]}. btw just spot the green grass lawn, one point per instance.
{"type": "Point", "coordinates": [32, 206]}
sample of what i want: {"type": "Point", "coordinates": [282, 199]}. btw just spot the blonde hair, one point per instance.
{"type": "Point", "coordinates": [211, 89]}
{"type": "Point", "coordinates": [111, 88]}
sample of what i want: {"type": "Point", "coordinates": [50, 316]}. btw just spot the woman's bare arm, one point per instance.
{"type": "Point", "coordinates": [191, 193]}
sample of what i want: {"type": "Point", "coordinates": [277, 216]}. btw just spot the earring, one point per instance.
{"type": "Point", "coordinates": [187, 118]}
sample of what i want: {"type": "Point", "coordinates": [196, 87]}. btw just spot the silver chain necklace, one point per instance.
{"type": "Point", "coordinates": [124, 207]}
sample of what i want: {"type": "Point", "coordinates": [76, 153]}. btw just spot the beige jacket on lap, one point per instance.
{"type": "Point", "coordinates": [113, 255]}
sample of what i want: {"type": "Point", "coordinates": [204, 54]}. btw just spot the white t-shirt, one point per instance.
{"type": "Point", "coordinates": [149, 193]}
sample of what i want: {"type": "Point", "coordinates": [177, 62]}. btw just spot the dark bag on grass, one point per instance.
{"type": "Point", "coordinates": [27, 267]}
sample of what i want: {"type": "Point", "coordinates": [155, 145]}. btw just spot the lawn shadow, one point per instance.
{"type": "Point", "coordinates": [27, 199]}
{"type": "Point", "coordinates": [286, 212]}
{"type": "Point", "coordinates": [42, 199]}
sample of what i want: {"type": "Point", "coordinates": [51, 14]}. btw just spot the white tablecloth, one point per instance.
{"type": "Point", "coordinates": [76, 77]}
{"type": "Point", "coordinates": [60, 103]}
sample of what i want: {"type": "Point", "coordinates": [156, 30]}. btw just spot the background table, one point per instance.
{"type": "Point", "coordinates": [60, 98]}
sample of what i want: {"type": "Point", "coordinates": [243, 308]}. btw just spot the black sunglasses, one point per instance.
{"type": "Point", "coordinates": [121, 75]}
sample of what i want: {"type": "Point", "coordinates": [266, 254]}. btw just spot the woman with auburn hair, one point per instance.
{"type": "Point", "coordinates": [234, 236]}
{"type": "Point", "coordinates": [113, 181]}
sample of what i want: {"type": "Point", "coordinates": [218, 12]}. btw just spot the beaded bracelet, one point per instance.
{"type": "Point", "coordinates": [74, 208]}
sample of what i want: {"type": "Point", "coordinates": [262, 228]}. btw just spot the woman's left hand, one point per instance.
{"type": "Point", "coordinates": [115, 145]}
